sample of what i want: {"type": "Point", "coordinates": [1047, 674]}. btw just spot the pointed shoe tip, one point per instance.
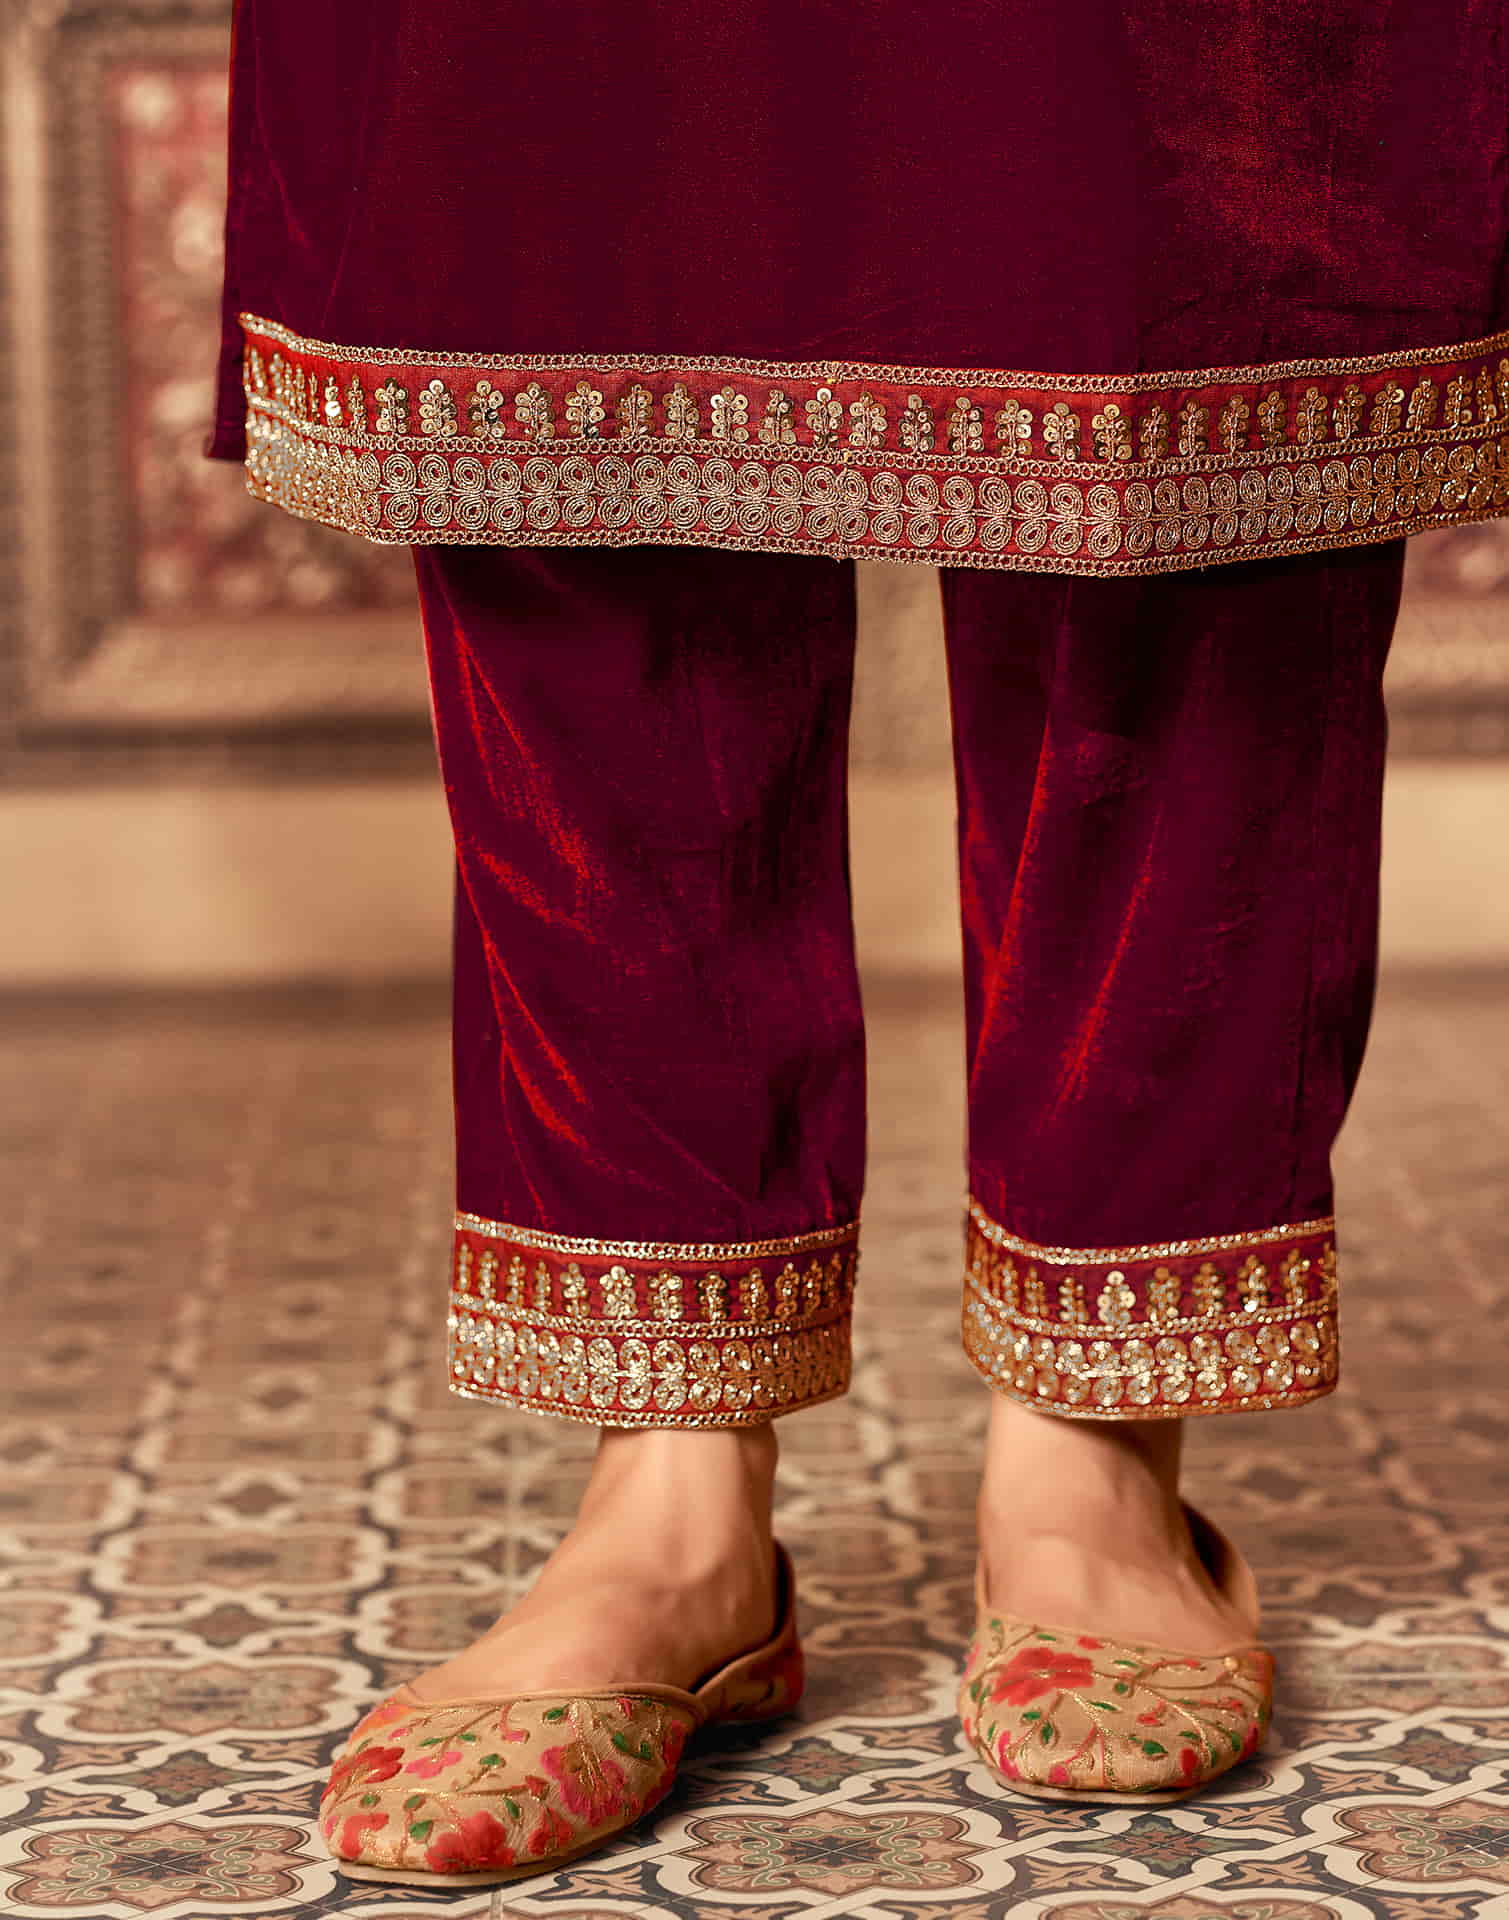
{"type": "Point", "coordinates": [514, 1790]}
{"type": "Point", "coordinates": [1084, 1718]}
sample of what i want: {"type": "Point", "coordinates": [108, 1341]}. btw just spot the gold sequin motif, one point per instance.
{"type": "Point", "coordinates": [1230, 1323]}
{"type": "Point", "coordinates": [662, 1334]}
{"type": "Point", "coordinates": [1139, 474]}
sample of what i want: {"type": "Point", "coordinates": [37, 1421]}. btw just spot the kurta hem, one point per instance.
{"type": "Point", "coordinates": [1091, 474]}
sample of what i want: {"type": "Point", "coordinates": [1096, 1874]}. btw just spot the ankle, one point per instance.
{"type": "Point", "coordinates": [1054, 1474]}
{"type": "Point", "coordinates": [675, 1457]}
{"type": "Point", "coordinates": [700, 1498]}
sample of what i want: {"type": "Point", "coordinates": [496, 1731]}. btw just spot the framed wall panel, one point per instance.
{"type": "Point", "coordinates": [159, 620]}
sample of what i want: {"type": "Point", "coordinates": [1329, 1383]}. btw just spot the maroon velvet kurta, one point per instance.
{"type": "Point", "coordinates": [1097, 286]}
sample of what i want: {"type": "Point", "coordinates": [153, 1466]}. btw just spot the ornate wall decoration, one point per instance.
{"type": "Point", "coordinates": [159, 618]}
{"type": "Point", "coordinates": [199, 543]}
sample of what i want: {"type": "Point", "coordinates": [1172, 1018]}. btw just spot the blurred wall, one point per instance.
{"type": "Point", "coordinates": [214, 762]}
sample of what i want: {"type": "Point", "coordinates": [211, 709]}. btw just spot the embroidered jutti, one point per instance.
{"type": "Point", "coordinates": [572, 301]}
{"type": "Point", "coordinates": [1107, 287]}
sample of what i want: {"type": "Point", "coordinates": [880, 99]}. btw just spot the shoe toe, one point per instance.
{"type": "Point", "coordinates": [1064, 1714]}
{"type": "Point", "coordinates": [485, 1788]}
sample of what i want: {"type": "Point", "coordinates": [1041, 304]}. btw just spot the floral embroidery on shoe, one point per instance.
{"type": "Point", "coordinates": [1095, 1715]}
{"type": "Point", "coordinates": [591, 1784]}
{"type": "Point", "coordinates": [1033, 1671]}
{"type": "Point", "coordinates": [477, 1841]}
{"type": "Point", "coordinates": [363, 1768]}
{"type": "Point", "coordinates": [434, 1763]}
{"type": "Point", "coordinates": [353, 1831]}
{"type": "Point", "coordinates": [384, 1714]}
{"type": "Point", "coordinates": [463, 1789]}
{"type": "Point", "coordinates": [494, 1788]}
{"type": "Point", "coordinates": [553, 1832]}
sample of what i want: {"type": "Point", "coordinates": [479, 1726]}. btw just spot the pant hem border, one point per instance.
{"type": "Point", "coordinates": [663, 1333]}
{"type": "Point", "coordinates": [1165, 1330]}
{"type": "Point", "coordinates": [592, 1416]}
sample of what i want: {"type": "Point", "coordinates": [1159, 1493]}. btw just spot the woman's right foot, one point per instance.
{"type": "Point", "coordinates": [668, 1572]}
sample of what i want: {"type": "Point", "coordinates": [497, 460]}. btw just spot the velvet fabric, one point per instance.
{"type": "Point", "coordinates": [1104, 187]}
{"type": "Point", "coordinates": [1169, 803]}
{"type": "Point", "coordinates": [1169, 806]}
{"type": "Point", "coordinates": [658, 1030]}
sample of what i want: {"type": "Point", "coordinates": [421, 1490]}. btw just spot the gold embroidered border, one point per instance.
{"type": "Point", "coordinates": [641, 1333]}
{"type": "Point", "coordinates": [1229, 1323]}
{"type": "Point", "coordinates": [693, 1250]}
{"type": "Point", "coordinates": [1112, 474]}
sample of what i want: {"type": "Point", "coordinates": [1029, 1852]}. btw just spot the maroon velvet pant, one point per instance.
{"type": "Point", "coordinates": [1169, 797]}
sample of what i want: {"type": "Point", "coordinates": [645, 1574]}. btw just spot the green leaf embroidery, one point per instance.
{"type": "Point", "coordinates": [466, 1736]}
{"type": "Point", "coordinates": [1121, 1687]}
{"type": "Point", "coordinates": [1033, 1713]}
{"type": "Point", "coordinates": [367, 1800]}
{"type": "Point", "coordinates": [490, 1760]}
{"type": "Point", "coordinates": [1152, 1747]}
{"type": "Point", "coordinates": [434, 1742]}
{"type": "Point", "coordinates": [1046, 1733]}
{"type": "Point", "coordinates": [554, 1713]}
{"type": "Point", "coordinates": [1106, 1706]}
{"type": "Point", "coordinates": [412, 1802]}
{"type": "Point", "coordinates": [642, 1752]}
{"type": "Point", "coordinates": [420, 1829]}
{"type": "Point", "coordinates": [512, 1806]}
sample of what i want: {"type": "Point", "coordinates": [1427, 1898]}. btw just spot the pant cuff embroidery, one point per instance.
{"type": "Point", "coordinates": [651, 1333]}
{"type": "Point", "coordinates": [1228, 1324]}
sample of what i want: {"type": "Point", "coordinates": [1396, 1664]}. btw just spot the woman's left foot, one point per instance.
{"type": "Point", "coordinates": [1115, 1652]}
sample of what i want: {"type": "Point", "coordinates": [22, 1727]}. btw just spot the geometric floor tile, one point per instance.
{"type": "Point", "coordinates": [237, 1502]}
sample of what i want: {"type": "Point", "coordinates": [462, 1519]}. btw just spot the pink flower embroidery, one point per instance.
{"type": "Point", "coordinates": [433, 1763]}
{"type": "Point", "coordinates": [475, 1842]}
{"type": "Point", "coordinates": [382, 1715]}
{"type": "Point", "coordinates": [552, 1833]}
{"type": "Point", "coordinates": [363, 1769]}
{"type": "Point", "coordinates": [349, 1845]}
{"type": "Point", "coordinates": [592, 1786]}
{"type": "Point", "coordinates": [1036, 1670]}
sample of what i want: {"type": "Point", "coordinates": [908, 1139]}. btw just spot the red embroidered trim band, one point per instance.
{"type": "Point", "coordinates": [651, 1334]}
{"type": "Point", "coordinates": [1228, 1324]}
{"type": "Point", "coordinates": [1130, 474]}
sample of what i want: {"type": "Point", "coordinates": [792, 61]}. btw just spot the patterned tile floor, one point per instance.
{"type": "Point", "coordinates": [239, 1502]}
